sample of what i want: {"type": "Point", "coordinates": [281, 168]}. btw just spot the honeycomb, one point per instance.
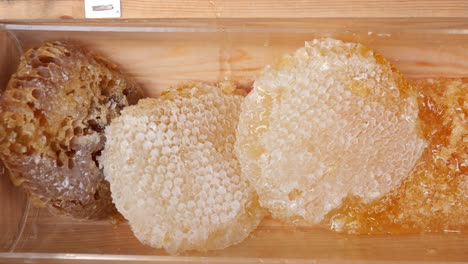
{"type": "Point", "coordinates": [332, 120]}
{"type": "Point", "coordinates": [434, 197]}
{"type": "Point", "coordinates": [173, 172]}
{"type": "Point", "coordinates": [52, 119]}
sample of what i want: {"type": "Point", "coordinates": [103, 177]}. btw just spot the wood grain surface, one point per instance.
{"type": "Point", "coordinates": [66, 9]}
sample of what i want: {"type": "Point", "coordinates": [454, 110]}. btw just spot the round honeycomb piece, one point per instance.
{"type": "Point", "coordinates": [433, 197]}
{"type": "Point", "coordinates": [52, 119]}
{"type": "Point", "coordinates": [332, 120]}
{"type": "Point", "coordinates": [173, 172]}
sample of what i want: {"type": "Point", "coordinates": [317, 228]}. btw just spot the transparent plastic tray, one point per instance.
{"type": "Point", "coordinates": [159, 53]}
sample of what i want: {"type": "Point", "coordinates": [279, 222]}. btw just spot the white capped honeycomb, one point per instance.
{"type": "Point", "coordinates": [333, 119]}
{"type": "Point", "coordinates": [173, 172]}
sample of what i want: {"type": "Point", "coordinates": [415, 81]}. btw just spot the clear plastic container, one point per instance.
{"type": "Point", "coordinates": [159, 53]}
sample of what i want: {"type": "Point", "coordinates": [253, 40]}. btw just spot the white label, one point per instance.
{"type": "Point", "coordinates": [102, 8]}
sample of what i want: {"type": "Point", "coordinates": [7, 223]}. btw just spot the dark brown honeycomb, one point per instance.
{"type": "Point", "coordinates": [53, 114]}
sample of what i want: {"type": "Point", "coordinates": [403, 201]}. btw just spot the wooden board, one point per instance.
{"type": "Point", "coordinates": [66, 9]}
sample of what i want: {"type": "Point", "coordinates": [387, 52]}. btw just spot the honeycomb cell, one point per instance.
{"type": "Point", "coordinates": [173, 173]}
{"type": "Point", "coordinates": [53, 114]}
{"type": "Point", "coordinates": [332, 120]}
{"type": "Point", "coordinates": [433, 198]}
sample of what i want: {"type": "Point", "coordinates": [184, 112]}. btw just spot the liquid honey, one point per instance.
{"type": "Point", "coordinates": [434, 196]}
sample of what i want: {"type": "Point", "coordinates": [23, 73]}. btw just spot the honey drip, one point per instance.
{"type": "Point", "coordinates": [434, 197]}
